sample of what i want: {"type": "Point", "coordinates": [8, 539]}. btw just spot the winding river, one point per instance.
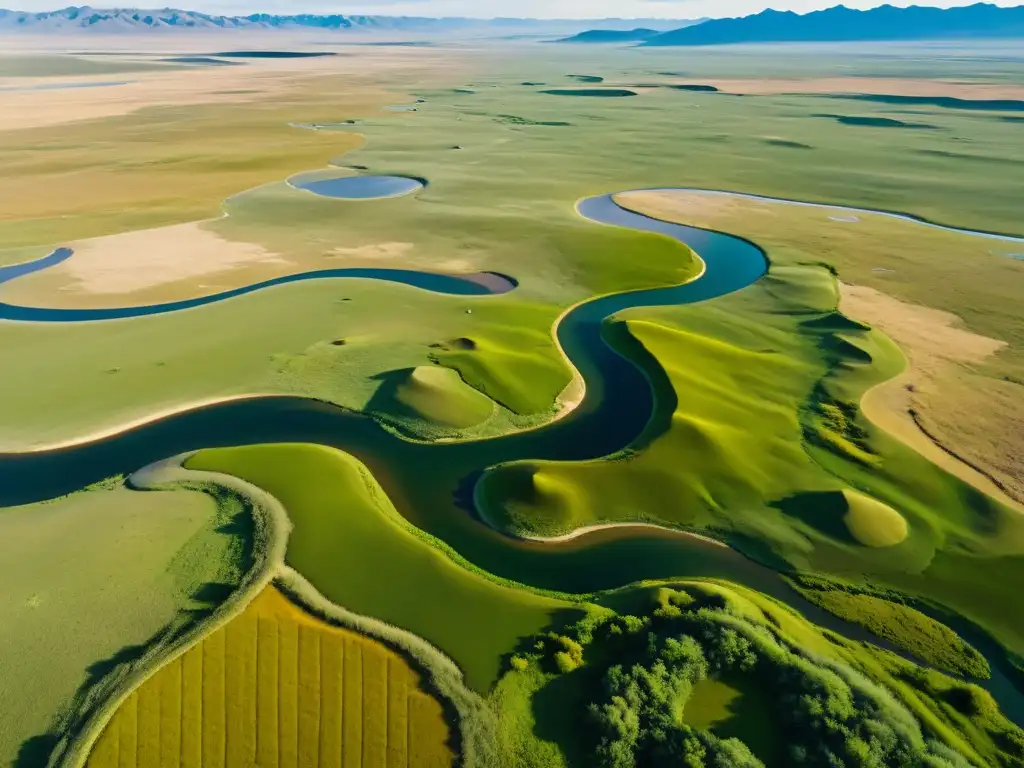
{"type": "Point", "coordinates": [432, 484]}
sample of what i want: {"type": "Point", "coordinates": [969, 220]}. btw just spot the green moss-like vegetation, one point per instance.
{"type": "Point", "coordinates": [909, 629]}
{"type": "Point", "coordinates": [700, 674]}
{"type": "Point", "coordinates": [345, 527]}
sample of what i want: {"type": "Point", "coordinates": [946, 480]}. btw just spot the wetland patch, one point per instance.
{"type": "Point", "coordinates": [607, 93]}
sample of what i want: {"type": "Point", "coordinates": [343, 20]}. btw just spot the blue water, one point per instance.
{"type": "Point", "coordinates": [361, 187]}
{"type": "Point", "coordinates": [438, 283]}
{"type": "Point", "coordinates": [28, 267]}
{"type": "Point", "coordinates": [63, 86]}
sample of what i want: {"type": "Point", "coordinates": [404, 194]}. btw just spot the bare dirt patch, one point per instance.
{"type": "Point", "coordinates": [937, 348]}
{"type": "Point", "coordinates": [149, 266]}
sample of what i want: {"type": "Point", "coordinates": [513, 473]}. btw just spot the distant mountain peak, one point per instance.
{"type": "Point", "coordinates": [90, 18]}
{"type": "Point", "coordinates": [843, 24]}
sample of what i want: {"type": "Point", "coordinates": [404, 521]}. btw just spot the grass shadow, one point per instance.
{"type": "Point", "coordinates": [824, 511]}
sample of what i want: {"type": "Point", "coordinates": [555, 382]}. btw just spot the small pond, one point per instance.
{"type": "Point", "coordinates": [360, 187]}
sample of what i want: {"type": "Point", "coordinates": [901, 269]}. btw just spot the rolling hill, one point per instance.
{"type": "Point", "coordinates": [612, 36]}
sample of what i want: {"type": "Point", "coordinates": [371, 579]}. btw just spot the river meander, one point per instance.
{"type": "Point", "coordinates": [432, 484]}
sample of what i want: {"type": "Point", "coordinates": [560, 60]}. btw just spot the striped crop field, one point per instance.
{"type": "Point", "coordinates": [278, 687]}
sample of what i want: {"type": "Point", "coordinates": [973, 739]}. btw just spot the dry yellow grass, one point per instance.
{"type": "Point", "coordinates": [277, 687]}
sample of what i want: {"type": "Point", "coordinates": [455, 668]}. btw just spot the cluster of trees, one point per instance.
{"type": "Point", "coordinates": [640, 723]}
{"type": "Point", "coordinates": [828, 714]}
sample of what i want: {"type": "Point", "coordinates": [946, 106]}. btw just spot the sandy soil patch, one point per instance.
{"type": "Point", "coordinates": [935, 347]}
{"type": "Point", "coordinates": [373, 252]}
{"type": "Point", "coordinates": [680, 205]}
{"type": "Point", "coordinates": [929, 337]}
{"type": "Point", "coordinates": [148, 266]}
{"type": "Point", "coordinates": [135, 261]}
{"type": "Point", "coordinates": [255, 79]}
{"type": "Point", "coordinates": [20, 109]}
{"type": "Point", "coordinates": [893, 86]}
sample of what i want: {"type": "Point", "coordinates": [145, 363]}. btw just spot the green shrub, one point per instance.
{"type": "Point", "coordinates": [565, 663]}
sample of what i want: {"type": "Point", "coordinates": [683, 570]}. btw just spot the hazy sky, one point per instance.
{"type": "Point", "coordinates": [674, 9]}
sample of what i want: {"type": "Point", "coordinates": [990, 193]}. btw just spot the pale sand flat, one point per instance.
{"type": "Point", "coordinates": [256, 79]}
{"type": "Point", "coordinates": [932, 343]}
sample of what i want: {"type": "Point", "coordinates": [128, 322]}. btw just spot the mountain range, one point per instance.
{"type": "Point", "coordinates": [841, 24]}
{"type": "Point", "coordinates": [113, 20]}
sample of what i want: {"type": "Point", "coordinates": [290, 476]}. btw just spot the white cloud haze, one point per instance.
{"type": "Point", "coordinates": [566, 9]}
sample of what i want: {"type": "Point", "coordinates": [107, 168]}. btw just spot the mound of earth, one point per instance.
{"type": "Point", "coordinates": [873, 523]}
{"type": "Point", "coordinates": [849, 516]}
{"type": "Point", "coordinates": [434, 394]}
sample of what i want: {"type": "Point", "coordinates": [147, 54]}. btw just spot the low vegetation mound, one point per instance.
{"type": "Point", "coordinates": [431, 394]}
{"type": "Point", "coordinates": [277, 686]}
{"type": "Point", "coordinates": [909, 629]}
{"type": "Point", "coordinates": [873, 523]}
{"type": "Point", "coordinates": [654, 683]}
{"type": "Point", "coordinates": [848, 516]}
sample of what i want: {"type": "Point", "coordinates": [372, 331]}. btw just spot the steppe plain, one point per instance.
{"type": "Point", "coordinates": [382, 543]}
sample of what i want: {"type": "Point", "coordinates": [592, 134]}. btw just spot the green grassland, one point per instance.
{"type": "Point", "coordinates": [279, 687]}
{"type": "Point", "coordinates": [969, 408]}
{"type": "Point", "coordinates": [345, 526]}
{"type": "Point", "coordinates": [94, 583]}
{"type": "Point", "coordinates": [126, 370]}
{"type": "Point", "coordinates": [760, 441]}
{"type": "Point", "coordinates": [757, 436]}
{"type": "Point", "coordinates": [158, 166]}
{"type": "Point", "coordinates": [504, 201]}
